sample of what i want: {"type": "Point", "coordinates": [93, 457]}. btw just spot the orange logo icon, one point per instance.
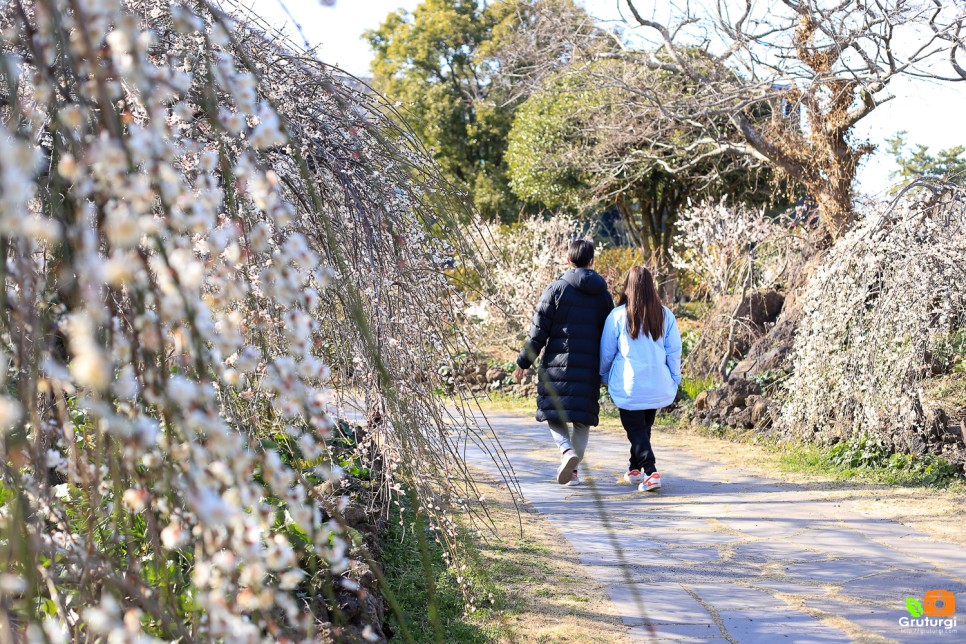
{"type": "Point", "coordinates": [939, 603]}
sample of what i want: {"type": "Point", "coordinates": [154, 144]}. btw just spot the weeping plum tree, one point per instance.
{"type": "Point", "coordinates": [203, 230]}
{"type": "Point", "coordinates": [883, 316]}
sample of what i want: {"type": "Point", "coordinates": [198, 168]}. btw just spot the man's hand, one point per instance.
{"type": "Point", "coordinates": [518, 374]}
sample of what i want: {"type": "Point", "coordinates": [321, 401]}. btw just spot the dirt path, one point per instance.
{"type": "Point", "coordinates": [725, 554]}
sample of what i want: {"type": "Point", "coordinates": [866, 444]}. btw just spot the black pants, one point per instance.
{"type": "Point", "coordinates": [638, 424]}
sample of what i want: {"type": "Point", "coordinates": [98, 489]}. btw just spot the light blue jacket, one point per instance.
{"type": "Point", "coordinates": [640, 373]}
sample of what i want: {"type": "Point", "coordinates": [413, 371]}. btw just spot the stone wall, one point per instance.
{"type": "Point", "coordinates": [732, 327]}
{"type": "Point", "coordinates": [738, 403]}
{"type": "Point", "coordinates": [479, 377]}
{"type": "Point", "coordinates": [357, 608]}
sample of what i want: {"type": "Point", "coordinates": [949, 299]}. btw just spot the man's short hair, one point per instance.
{"type": "Point", "coordinates": [581, 252]}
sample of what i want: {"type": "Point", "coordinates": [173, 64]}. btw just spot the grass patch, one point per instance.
{"type": "Point", "coordinates": [427, 588]}
{"type": "Point", "coordinates": [864, 460]}
{"type": "Point", "coordinates": [859, 459]}
{"type": "Point", "coordinates": [501, 402]}
{"type": "Point", "coordinates": [694, 386]}
{"type": "Point", "coordinates": [694, 310]}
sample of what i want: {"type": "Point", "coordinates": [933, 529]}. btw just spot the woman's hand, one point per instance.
{"type": "Point", "coordinates": [518, 374]}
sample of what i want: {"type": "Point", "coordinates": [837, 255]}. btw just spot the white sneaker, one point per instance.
{"type": "Point", "coordinates": [568, 463]}
{"type": "Point", "coordinates": [651, 483]}
{"type": "Point", "coordinates": [574, 480]}
{"type": "Point", "coordinates": [634, 477]}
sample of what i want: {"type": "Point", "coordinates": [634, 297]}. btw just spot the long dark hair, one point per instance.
{"type": "Point", "coordinates": [644, 308]}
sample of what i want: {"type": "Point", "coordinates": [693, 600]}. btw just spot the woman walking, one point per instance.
{"type": "Point", "coordinates": [640, 360]}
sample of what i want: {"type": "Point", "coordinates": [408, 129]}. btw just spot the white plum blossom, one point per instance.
{"type": "Point", "coordinates": [196, 251]}
{"type": "Point", "coordinates": [880, 314]}
{"type": "Point", "coordinates": [531, 254]}
{"type": "Point", "coordinates": [11, 411]}
{"type": "Point", "coordinates": [715, 240]}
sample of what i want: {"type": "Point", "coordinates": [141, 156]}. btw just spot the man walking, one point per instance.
{"type": "Point", "coordinates": [567, 326]}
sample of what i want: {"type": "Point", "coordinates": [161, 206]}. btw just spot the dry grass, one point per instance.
{"type": "Point", "coordinates": [547, 594]}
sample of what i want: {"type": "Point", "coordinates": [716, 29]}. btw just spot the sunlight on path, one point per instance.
{"type": "Point", "coordinates": [723, 555]}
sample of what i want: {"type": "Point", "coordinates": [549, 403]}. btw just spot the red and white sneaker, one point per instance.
{"type": "Point", "coordinates": [574, 480]}
{"type": "Point", "coordinates": [651, 483]}
{"type": "Point", "coordinates": [634, 477]}
{"type": "Point", "coordinates": [568, 464]}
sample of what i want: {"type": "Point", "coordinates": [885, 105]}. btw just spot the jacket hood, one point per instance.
{"type": "Point", "coordinates": [585, 280]}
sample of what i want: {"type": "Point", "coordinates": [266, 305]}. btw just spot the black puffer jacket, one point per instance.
{"type": "Point", "coordinates": [567, 325]}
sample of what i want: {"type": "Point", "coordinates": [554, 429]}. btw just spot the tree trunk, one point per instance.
{"type": "Point", "coordinates": [833, 180]}
{"type": "Point", "coordinates": [665, 275]}
{"type": "Point", "coordinates": [652, 230]}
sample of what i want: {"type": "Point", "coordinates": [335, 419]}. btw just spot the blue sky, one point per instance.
{"type": "Point", "coordinates": [932, 113]}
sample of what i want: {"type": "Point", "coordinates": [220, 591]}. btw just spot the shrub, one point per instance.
{"type": "Point", "coordinates": [614, 264]}
{"type": "Point", "coordinates": [715, 239]}
{"type": "Point", "coordinates": [868, 452]}
{"type": "Point", "coordinates": [524, 258]}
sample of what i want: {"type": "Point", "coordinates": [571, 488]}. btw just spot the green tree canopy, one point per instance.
{"type": "Point", "coordinates": [918, 161]}
{"type": "Point", "coordinates": [432, 61]}
{"type": "Point", "coordinates": [549, 132]}
{"type": "Point", "coordinates": [584, 145]}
